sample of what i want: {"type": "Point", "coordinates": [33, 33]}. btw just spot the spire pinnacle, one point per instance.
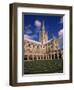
{"type": "Point", "coordinates": [43, 27]}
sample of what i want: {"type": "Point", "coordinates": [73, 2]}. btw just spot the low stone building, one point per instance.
{"type": "Point", "coordinates": [44, 49]}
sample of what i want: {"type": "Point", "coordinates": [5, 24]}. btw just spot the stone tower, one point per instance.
{"type": "Point", "coordinates": [43, 35]}
{"type": "Point", "coordinates": [54, 43]}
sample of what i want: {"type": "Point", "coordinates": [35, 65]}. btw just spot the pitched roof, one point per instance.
{"type": "Point", "coordinates": [36, 42]}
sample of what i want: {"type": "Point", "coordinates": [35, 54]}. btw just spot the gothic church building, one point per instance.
{"type": "Point", "coordinates": [44, 49]}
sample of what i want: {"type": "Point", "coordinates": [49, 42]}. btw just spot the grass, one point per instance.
{"type": "Point", "coordinates": [43, 66]}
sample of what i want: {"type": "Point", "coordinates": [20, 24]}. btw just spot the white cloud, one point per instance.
{"type": "Point", "coordinates": [60, 33]}
{"type": "Point", "coordinates": [34, 36]}
{"type": "Point", "coordinates": [28, 31]}
{"type": "Point", "coordinates": [26, 27]}
{"type": "Point", "coordinates": [37, 23]}
{"type": "Point", "coordinates": [30, 37]}
{"type": "Point", "coordinates": [27, 37]}
{"type": "Point", "coordinates": [61, 20]}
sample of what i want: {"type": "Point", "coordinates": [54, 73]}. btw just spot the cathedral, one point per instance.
{"type": "Point", "coordinates": [43, 49]}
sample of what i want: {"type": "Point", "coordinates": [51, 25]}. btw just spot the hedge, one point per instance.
{"type": "Point", "coordinates": [43, 66]}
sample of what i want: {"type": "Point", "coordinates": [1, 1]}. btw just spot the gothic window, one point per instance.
{"type": "Point", "coordinates": [60, 55]}
{"type": "Point", "coordinates": [37, 46]}
{"type": "Point", "coordinates": [29, 45]}
{"type": "Point", "coordinates": [34, 57]}
{"type": "Point", "coordinates": [55, 56]}
{"type": "Point", "coordinates": [30, 57]}
{"type": "Point", "coordinates": [52, 56]}
{"type": "Point", "coordinates": [25, 57]}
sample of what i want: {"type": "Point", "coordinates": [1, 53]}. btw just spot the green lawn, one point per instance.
{"type": "Point", "coordinates": [43, 66]}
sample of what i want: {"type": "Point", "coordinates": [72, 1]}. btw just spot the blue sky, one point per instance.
{"type": "Point", "coordinates": [33, 25]}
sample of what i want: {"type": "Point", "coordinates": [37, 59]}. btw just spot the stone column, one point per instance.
{"type": "Point", "coordinates": [61, 54]}
{"type": "Point", "coordinates": [37, 57]}
{"type": "Point", "coordinates": [51, 56]}
{"type": "Point", "coordinates": [33, 57]}
{"type": "Point", "coordinates": [43, 57]}
{"type": "Point", "coordinates": [28, 57]}
{"type": "Point", "coordinates": [48, 57]}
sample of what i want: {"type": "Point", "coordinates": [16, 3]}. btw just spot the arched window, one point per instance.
{"type": "Point", "coordinates": [25, 57]}
{"type": "Point", "coordinates": [55, 56]}
{"type": "Point", "coordinates": [30, 57]}
{"type": "Point", "coordinates": [60, 56]}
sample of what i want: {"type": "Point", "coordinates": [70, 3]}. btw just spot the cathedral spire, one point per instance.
{"type": "Point", "coordinates": [43, 27]}
{"type": "Point", "coordinates": [43, 35]}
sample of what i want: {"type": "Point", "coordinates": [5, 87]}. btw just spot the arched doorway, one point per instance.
{"type": "Point", "coordinates": [55, 56]}
{"type": "Point", "coordinates": [60, 56]}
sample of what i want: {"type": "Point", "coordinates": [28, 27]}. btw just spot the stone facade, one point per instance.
{"type": "Point", "coordinates": [43, 50]}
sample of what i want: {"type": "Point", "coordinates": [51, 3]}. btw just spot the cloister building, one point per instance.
{"type": "Point", "coordinates": [43, 49]}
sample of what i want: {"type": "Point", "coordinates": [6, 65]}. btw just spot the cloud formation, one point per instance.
{"type": "Point", "coordinates": [37, 23]}
{"type": "Point", "coordinates": [27, 37]}
{"type": "Point", "coordinates": [28, 29]}
{"type": "Point", "coordinates": [61, 20]}
{"type": "Point", "coordinates": [31, 37]}
{"type": "Point", "coordinates": [60, 33]}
